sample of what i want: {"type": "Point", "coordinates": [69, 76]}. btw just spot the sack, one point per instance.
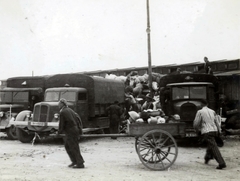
{"type": "Point", "coordinates": [219, 141]}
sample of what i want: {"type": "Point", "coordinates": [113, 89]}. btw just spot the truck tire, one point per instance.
{"type": "Point", "coordinates": [11, 133]}
{"type": "Point", "coordinates": [233, 122]}
{"type": "Point", "coordinates": [23, 136]}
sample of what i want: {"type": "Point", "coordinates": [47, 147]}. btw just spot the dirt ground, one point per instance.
{"type": "Point", "coordinates": [110, 160]}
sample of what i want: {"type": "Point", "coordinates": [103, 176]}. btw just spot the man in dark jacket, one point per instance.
{"type": "Point", "coordinates": [114, 112]}
{"type": "Point", "coordinates": [68, 124]}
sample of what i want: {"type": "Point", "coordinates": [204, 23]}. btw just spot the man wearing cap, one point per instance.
{"type": "Point", "coordinates": [205, 121]}
{"type": "Point", "coordinates": [68, 125]}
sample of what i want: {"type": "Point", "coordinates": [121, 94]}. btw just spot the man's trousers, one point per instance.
{"type": "Point", "coordinates": [72, 148]}
{"type": "Point", "coordinates": [212, 148]}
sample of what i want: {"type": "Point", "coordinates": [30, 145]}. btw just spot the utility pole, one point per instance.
{"type": "Point", "coordinates": [149, 51]}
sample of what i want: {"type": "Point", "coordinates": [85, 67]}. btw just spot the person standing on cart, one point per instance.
{"type": "Point", "coordinates": [69, 125]}
{"type": "Point", "coordinates": [205, 121]}
{"type": "Point", "coordinates": [114, 112]}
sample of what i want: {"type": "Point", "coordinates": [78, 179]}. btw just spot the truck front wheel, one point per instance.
{"type": "Point", "coordinates": [23, 136]}
{"type": "Point", "coordinates": [233, 122]}
{"type": "Point", "coordinates": [11, 133]}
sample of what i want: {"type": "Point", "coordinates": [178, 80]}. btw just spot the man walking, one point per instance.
{"type": "Point", "coordinates": [68, 124]}
{"type": "Point", "coordinates": [206, 122]}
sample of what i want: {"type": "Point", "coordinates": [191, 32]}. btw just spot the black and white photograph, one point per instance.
{"type": "Point", "coordinates": [119, 90]}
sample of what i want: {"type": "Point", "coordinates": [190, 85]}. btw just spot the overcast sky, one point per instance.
{"type": "Point", "coordinates": [64, 36]}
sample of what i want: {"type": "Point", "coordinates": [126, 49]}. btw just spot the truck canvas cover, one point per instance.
{"type": "Point", "coordinates": [100, 90]}
{"type": "Point", "coordinates": [27, 82]}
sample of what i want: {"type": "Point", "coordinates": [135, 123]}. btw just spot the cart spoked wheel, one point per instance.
{"type": "Point", "coordinates": [137, 140]}
{"type": "Point", "coordinates": [157, 149]}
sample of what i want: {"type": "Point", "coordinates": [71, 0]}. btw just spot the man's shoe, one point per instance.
{"type": "Point", "coordinates": [78, 166]}
{"type": "Point", "coordinates": [206, 160]}
{"type": "Point", "coordinates": [219, 167]}
{"type": "Point", "coordinates": [72, 164]}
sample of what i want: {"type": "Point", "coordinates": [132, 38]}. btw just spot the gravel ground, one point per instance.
{"type": "Point", "coordinates": [113, 160]}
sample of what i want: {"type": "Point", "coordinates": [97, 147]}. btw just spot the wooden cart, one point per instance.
{"type": "Point", "coordinates": [155, 143]}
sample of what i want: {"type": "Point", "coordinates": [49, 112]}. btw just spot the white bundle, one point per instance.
{"type": "Point", "coordinates": [110, 76]}
{"type": "Point", "coordinates": [122, 78]}
{"type": "Point", "coordinates": [155, 86]}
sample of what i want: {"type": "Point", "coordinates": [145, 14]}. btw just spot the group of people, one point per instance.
{"type": "Point", "coordinates": [205, 122]}
{"type": "Point", "coordinates": [70, 124]}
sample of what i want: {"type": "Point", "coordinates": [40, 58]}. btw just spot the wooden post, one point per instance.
{"type": "Point", "coordinates": [149, 51]}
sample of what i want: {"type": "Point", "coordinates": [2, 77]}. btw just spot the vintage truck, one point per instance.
{"type": "Point", "coordinates": [181, 94]}
{"type": "Point", "coordinates": [86, 95]}
{"type": "Point", "coordinates": [20, 93]}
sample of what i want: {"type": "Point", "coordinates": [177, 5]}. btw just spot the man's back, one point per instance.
{"type": "Point", "coordinates": [68, 119]}
{"type": "Point", "coordinates": [204, 120]}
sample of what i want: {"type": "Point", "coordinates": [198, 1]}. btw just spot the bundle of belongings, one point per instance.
{"type": "Point", "coordinates": [141, 107]}
{"type": "Point", "coordinates": [139, 83]}
{"type": "Point", "coordinates": [152, 117]}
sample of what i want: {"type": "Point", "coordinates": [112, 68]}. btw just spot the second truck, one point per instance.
{"type": "Point", "coordinates": [181, 94]}
{"type": "Point", "coordinates": [86, 95]}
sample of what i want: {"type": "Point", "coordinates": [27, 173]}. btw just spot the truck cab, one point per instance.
{"type": "Point", "coordinates": [183, 95]}
{"type": "Point", "coordinates": [13, 101]}
{"type": "Point", "coordinates": [45, 117]}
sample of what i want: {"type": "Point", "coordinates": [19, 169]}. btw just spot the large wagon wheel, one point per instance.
{"type": "Point", "coordinates": [137, 141]}
{"type": "Point", "coordinates": [157, 149]}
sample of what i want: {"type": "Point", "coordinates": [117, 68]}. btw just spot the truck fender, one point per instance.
{"type": "Point", "coordinates": [24, 116]}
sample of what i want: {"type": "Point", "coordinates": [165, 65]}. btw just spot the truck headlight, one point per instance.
{"type": "Point", "coordinates": [28, 115]}
{"type": "Point", "coordinates": [56, 115]}
{"type": "Point", "coordinates": [1, 114]}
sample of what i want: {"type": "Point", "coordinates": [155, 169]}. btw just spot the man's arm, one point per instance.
{"type": "Point", "coordinates": [61, 124]}
{"type": "Point", "coordinates": [217, 122]}
{"type": "Point", "coordinates": [197, 121]}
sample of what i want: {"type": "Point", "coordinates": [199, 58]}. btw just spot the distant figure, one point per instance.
{"type": "Point", "coordinates": [68, 124]}
{"type": "Point", "coordinates": [148, 104]}
{"type": "Point", "coordinates": [33, 101]}
{"type": "Point", "coordinates": [207, 66]}
{"type": "Point", "coordinates": [114, 112]}
{"type": "Point", "coordinates": [177, 71]}
{"type": "Point", "coordinates": [164, 99]}
{"type": "Point", "coordinates": [206, 122]}
{"type": "Point", "coordinates": [130, 101]}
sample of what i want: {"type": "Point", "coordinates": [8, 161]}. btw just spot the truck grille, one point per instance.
{"type": "Point", "coordinates": [40, 113]}
{"type": "Point", "coordinates": [188, 112]}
